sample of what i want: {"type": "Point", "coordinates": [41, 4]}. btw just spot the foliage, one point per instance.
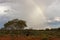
{"type": "Point", "coordinates": [15, 24]}
{"type": "Point", "coordinates": [45, 39]}
{"type": "Point", "coordinates": [47, 29]}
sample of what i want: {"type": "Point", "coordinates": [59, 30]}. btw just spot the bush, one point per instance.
{"type": "Point", "coordinates": [45, 39]}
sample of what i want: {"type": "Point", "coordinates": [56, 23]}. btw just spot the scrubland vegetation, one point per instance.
{"type": "Point", "coordinates": [14, 30]}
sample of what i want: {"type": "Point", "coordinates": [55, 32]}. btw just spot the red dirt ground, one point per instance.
{"type": "Point", "coordinates": [18, 37]}
{"type": "Point", "coordinates": [9, 37]}
{"type": "Point", "coordinates": [55, 38]}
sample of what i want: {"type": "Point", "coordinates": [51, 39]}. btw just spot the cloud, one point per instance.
{"type": "Point", "coordinates": [55, 19]}
{"type": "Point", "coordinates": [24, 9]}
{"type": "Point", "coordinates": [53, 14]}
{"type": "Point", "coordinates": [4, 1]}
{"type": "Point", "coordinates": [54, 22]}
{"type": "Point", "coordinates": [53, 9]}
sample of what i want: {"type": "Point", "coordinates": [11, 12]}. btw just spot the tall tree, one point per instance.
{"type": "Point", "coordinates": [15, 24]}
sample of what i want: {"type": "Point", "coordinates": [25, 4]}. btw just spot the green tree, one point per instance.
{"type": "Point", "coordinates": [15, 24]}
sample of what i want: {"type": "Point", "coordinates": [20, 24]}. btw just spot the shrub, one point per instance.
{"type": "Point", "coordinates": [45, 39]}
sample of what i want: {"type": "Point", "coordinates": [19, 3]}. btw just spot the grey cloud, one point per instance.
{"type": "Point", "coordinates": [4, 1]}
{"type": "Point", "coordinates": [23, 9]}
{"type": "Point", "coordinates": [53, 9]}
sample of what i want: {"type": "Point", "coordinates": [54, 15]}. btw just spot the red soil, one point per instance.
{"type": "Point", "coordinates": [55, 38]}
{"type": "Point", "coordinates": [18, 37]}
{"type": "Point", "coordinates": [9, 37]}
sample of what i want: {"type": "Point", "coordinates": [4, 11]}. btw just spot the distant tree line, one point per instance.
{"type": "Point", "coordinates": [53, 29]}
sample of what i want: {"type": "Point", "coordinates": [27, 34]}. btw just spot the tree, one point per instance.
{"type": "Point", "coordinates": [58, 29]}
{"type": "Point", "coordinates": [47, 29]}
{"type": "Point", "coordinates": [15, 24]}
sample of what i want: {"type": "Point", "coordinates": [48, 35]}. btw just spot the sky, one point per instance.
{"type": "Point", "coordinates": [39, 14]}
